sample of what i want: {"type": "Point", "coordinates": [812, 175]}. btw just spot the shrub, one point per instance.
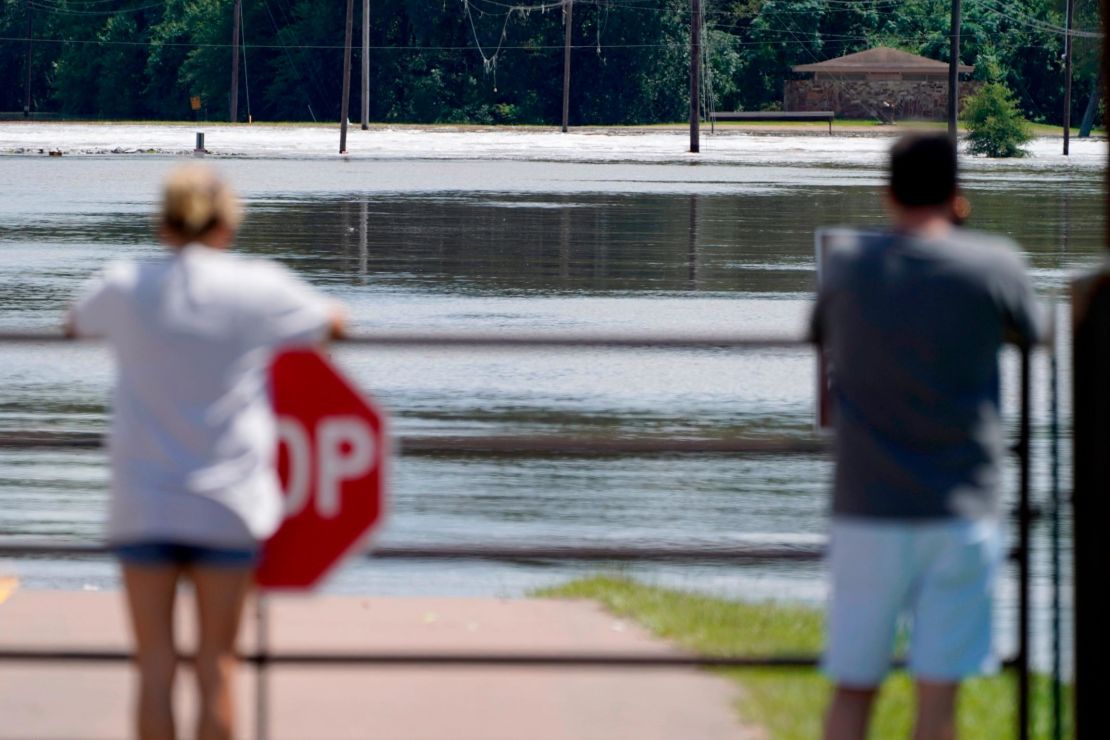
{"type": "Point", "coordinates": [995, 125]}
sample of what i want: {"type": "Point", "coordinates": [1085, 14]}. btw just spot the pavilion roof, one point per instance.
{"type": "Point", "coordinates": [881, 59]}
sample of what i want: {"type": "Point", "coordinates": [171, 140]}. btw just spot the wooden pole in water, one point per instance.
{"type": "Point", "coordinates": [692, 245]}
{"type": "Point", "coordinates": [1067, 75]}
{"type": "Point", "coordinates": [237, 12]}
{"type": "Point", "coordinates": [567, 18]}
{"type": "Point", "coordinates": [954, 70]}
{"type": "Point", "coordinates": [363, 233]}
{"type": "Point", "coordinates": [695, 75]}
{"type": "Point", "coordinates": [365, 64]}
{"type": "Point", "coordinates": [345, 105]}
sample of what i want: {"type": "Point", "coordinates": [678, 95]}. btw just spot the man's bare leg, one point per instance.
{"type": "Point", "coordinates": [849, 713]}
{"type": "Point", "coordinates": [936, 710]}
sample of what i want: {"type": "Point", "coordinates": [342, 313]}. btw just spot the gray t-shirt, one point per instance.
{"type": "Point", "coordinates": [912, 328]}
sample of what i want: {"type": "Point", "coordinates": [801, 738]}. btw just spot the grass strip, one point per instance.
{"type": "Point", "coordinates": [790, 703]}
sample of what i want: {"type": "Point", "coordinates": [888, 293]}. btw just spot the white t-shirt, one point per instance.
{"type": "Point", "coordinates": [193, 433]}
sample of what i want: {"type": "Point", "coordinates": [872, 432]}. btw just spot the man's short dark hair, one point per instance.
{"type": "Point", "coordinates": [923, 170]}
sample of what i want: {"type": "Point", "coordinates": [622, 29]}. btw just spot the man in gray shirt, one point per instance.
{"type": "Point", "coordinates": [911, 322]}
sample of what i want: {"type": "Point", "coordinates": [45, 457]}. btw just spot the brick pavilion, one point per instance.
{"type": "Point", "coordinates": [883, 83]}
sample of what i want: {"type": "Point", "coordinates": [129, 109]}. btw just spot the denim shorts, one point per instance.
{"type": "Point", "coordinates": [156, 553]}
{"type": "Point", "coordinates": [939, 575]}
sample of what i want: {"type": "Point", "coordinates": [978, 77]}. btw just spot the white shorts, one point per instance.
{"type": "Point", "coordinates": [939, 574]}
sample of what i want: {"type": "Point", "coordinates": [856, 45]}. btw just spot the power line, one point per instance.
{"type": "Point", "coordinates": [1031, 22]}
{"type": "Point", "coordinates": [524, 47]}
{"type": "Point", "coordinates": [69, 4]}
{"type": "Point", "coordinates": [489, 59]}
{"type": "Point", "coordinates": [41, 5]}
{"type": "Point", "coordinates": [289, 58]}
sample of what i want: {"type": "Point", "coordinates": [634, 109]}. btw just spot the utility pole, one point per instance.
{"type": "Point", "coordinates": [1067, 76]}
{"type": "Point", "coordinates": [345, 106]}
{"type": "Point", "coordinates": [365, 66]}
{"type": "Point", "coordinates": [695, 75]}
{"type": "Point", "coordinates": [30, 45]}
{"type": "Point", "coordinates": [954, 71]}
{"type": "Point", "coordinates": [237, 13]}
{"type": "Point", "coordinates": [1088, 121]}
{"type": "Point", "coordinates": [568, 17]}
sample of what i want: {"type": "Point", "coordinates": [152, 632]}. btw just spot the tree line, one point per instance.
{"type": "Point", "coordinates": [491, 61]}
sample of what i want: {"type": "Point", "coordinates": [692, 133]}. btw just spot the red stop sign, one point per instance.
{"type": "Point", "coordinates": [333, 453]}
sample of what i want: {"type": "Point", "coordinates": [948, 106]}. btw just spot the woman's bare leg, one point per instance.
{"type": "Point", "coordinates": [150, 598]}
{"type": "Point", "coordinates": [221, 593]}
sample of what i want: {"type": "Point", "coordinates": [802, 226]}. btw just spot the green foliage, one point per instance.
{"type": "Point", "coordinates": [485, 61]}
{"type": "Point", "coordinates": [995, 125]}
{"type": "Point", "coordinates": [988, 66]}
{"type": "Point", "coordinates": [790, 703]}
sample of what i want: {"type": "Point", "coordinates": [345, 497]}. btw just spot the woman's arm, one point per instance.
{"type": "Point", "coordinates": [337, 322]}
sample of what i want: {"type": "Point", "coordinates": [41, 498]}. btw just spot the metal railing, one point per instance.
{"type": "Point", "coordinates": [500, 445]}
{"type": "Point", "coordinates": [505, 340]}
{"type": "Point", "coordinates": [586, 552]}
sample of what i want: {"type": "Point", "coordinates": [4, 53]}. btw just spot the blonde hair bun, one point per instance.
{"type": "Point", "coordinates": [196, 200]}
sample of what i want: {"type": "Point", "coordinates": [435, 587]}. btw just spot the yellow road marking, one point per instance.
{"type": "Point", "coordinates": [8, 585]}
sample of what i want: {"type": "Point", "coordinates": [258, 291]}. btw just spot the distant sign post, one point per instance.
{"type": "Point", "coordinates": [333, 454]}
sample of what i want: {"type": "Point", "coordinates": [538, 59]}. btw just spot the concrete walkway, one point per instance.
{"type": "Point", "coordinates": [77, 701]}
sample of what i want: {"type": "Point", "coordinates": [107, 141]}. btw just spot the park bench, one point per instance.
{"type": "Point", "coordinates": [821, 115]}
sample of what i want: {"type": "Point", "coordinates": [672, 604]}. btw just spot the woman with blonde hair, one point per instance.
{"type": "Point", "coordinates": [194, 488]}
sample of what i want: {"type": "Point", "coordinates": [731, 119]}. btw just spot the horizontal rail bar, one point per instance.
{"type": "Point", "coordinates": [51, 440]}
{"type": "Point", "coordinates": [498, 445]}
{"type": "Point", "coordinates": [563, 445]}
{"type": "Point", "coordinates": [553, 660]}
{"type": "Point", "coordinates": [601, 553]}
{"type": "Point", "coordinates": [734, 553]}
{"type": "Point", "coordinates": [504, 445]}
{"type": "Point", "coordinates": [503, 660]}
{"type": "Point", "coordinates": [510, 340]}
{"type": "Point", "coordinates": [525, 341]}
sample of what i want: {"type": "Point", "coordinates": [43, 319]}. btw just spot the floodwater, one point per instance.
{"type": "Point", "coordinates": [567, 244]}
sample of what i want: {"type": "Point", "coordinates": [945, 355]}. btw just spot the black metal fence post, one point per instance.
{"type": "Point", "coordinates": [1055, 532]}
{"type": "Point", "coordinates": [262, 678]}
{"type": "Point", "coordinates": [1025, 517]}
{"type": "Point", "coordinates": [1091, 498]}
